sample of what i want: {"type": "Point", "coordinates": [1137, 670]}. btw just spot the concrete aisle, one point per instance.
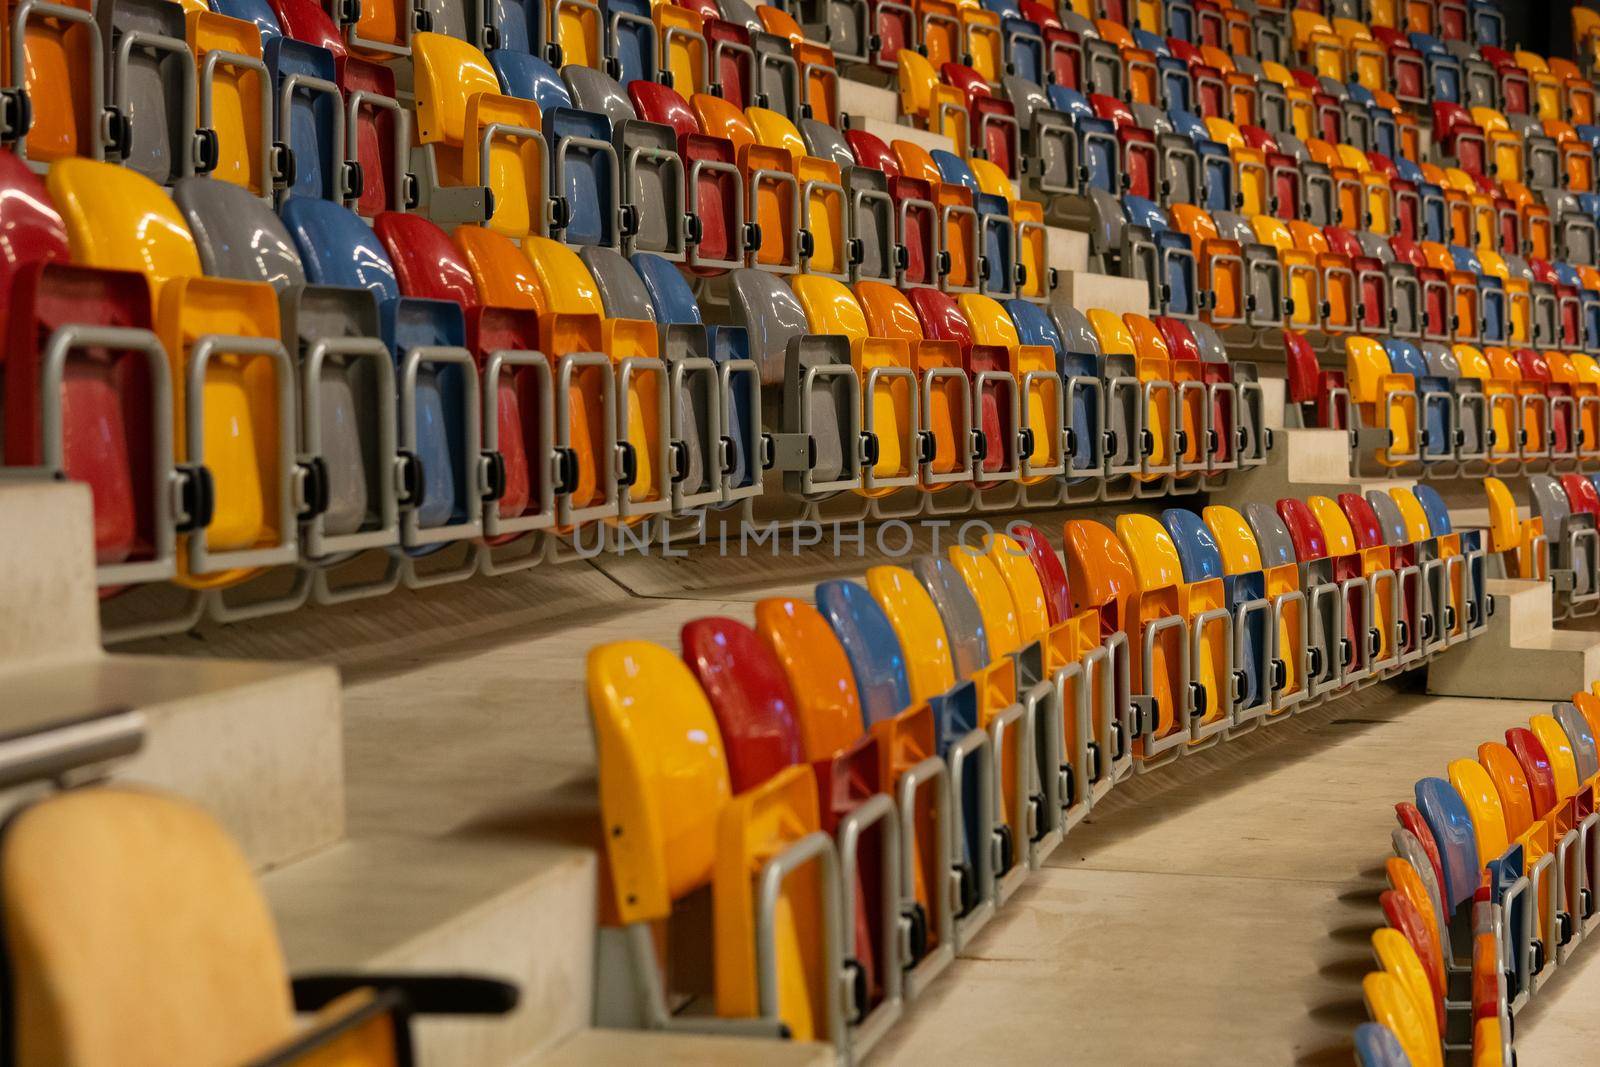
{"type": "Point", "coordinates": [1218, 911]}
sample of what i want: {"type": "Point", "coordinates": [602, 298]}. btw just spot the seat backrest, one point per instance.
{"type": "Point", "coordinates": [1453, 833]}
{"type": "Point", "coordinates": [750, 696]}
{"type": "Point", "coordinates": [1396, 531]}
{"type": "Point", "coordinates": [958, 608]}
{"type": "Point", "coordinates": [1235, 541]}
{"type": "Point", "coordinates": [1198, 551]}
{"type": "Point", "coordinates": [34, 232]}
{"type": "Point", "coordinates": [1535, 763]}
{"type": "Point", "coordinates": [770, 314]}
{"type": "Point", "coordinates": [1099, 571]}
{"type": "Point", "coordinates": [827, 706]}
{"type": "Point", "coordinates": [426, 262]}
{"type": "Point", "coordinates": [1376, 1046]}
{"type": "Point", "coordinates": [1581, 736]}
{"type": "Point", "coordinates": [670, 294]}
{"type": "Point", "coordinates": [1304, 529]}
{"type": "Point", "coordinates": [237, 234]}
{"type": "Point", "coordinates": [622, 290]}
{"type": "Point", "coordinates": [930, 668]}
{"type": "Point", "coordinates": [1549, 501]}
{"type": "Point", "coordinates": [1482, 800]}
{"type": "Point", "coordinates": [529, 78]}
{"type": "Point", "coordinates": [1052, 573]}
{"type": "Point", "coordinates": [871, 645]}
{"type": "Point", "coordinates": [1272, 536]}
{"type": "Point", "coordinates": [595, 91]}
{"type": "Point", "coordinates": [663, 775]}
{"type": "Point", "coordinates": [105, 887]}
{"type": "Point", "coordinates": [118, 218]}
{"type": "Point", "coordinates": [337, 248]}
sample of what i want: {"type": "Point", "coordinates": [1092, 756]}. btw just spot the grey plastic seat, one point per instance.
{"type": "Point", "coordinates": [1471, 411]}
{"type": "Point", "coordinates": [1105, 234]}
{"type": "Point", "coordinates": [826, 142]}
{"type": "Point", "coordinates": [1048, 137]}
{"type": "Point", "coordinates": [777, 81]}
{"type": "Point", "coordinates": [1480, 80]}
{"type": "Point", "coordinates": [1326, 636]}
{"type": "Point", "coordinates": [740, 14]}
{"type": "Point", "coordinates": [818, 448]}
{"type": "Point", "coordinates": [963, 622]}
{"type": "Point", "coordinates": [347, 433]}
{"type": "Point", "coordinates": [1571, 537]}
{"type": "Point", "coordinates": [1581, 735]}
{"type": "Point", "coordinates": [653, 176]}
{"type": "Point", "coordinates": [596, 91]}
{"type": "Point", "coordinates": [456, 18]}
{"type": "Point", "coordinates": [694, 392]}
{"type": "Point", "coordinates": [150, 82]}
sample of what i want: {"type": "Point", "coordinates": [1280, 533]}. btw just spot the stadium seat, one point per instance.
{"type": "Point", "coordinates": [828, 712]}
{"type": "Point", "coordinates": [753, 704]}
{"type": "Point", "coordinates": [103, 325]}
{"type": "Point", "coordinates": [446, 478]}
{"type": "Point", "coordinates": [347, 431]}
{"type": "Point", "coordinates": [1277, 633]}
{"type": "Point", "coordinates": [708, 836]}
{"type": "Point", "coordinates": [237, 434]}
{"type": "Point", "coordinates": [1574, 547]}
{"type": "Point", "coordinates": [819, 449]}
{"type": "Point", "coordinates": [1330, 658]}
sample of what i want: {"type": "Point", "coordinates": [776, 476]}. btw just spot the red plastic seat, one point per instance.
{"type": "Point", "coordinates": [715, 195]}
{"type": "Point", "coordinates": [942, 320]}
{"type": "Point", "coordinates": [106, 395]}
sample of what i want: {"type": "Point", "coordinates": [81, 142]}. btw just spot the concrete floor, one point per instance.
{"type": "Point", "coordinates": [1219, 909]}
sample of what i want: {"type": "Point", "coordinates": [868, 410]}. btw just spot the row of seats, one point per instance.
{"type": "Point", "coordinates": [1439, 410]}
{"type": "Point", "coordinates": [862, 781]}
{"type": "Point", "coordinates": [244, 388]}
{"type": "Point", "coordinates": [1558, 541]}
{"type": "Point", "coordinates": [1490, 893]}
{"type": "Point", "coordinates": [111, 889]}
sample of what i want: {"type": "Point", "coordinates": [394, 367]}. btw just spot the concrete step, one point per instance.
{"type": "Point", "coordinates": [890, 131]}
{"type": "Point", "coordinates": [629, 1048]}
{"type": "Point", "coordinates": [1085, 290]}
{"type": "Point", "coordinates": [1522, 655]}
{"type": "Point", "coordinates": [499, 903]}
{"type": "Point", "coordinates": [859, 100]}
{"type": "Point", "coordinates": [259, 745]}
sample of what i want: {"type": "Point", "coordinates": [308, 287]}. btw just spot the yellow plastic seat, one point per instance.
{"type": "Point", "coordinates": [1366, 59]}
{"type": "Point", "coordinates": [933, 105]}
{"type": "Point", "coordinates": [1521, 541]}
{"type": "Point", "coordinates": [824, 248]}
{"type": "Point", "coordinates": [136, 936]}
{"type": "Point", "coordinates": [1241, 556]}
{"type": "Point", "coordinates": [1158, 628]}
{"type": "Point", "coordinates": [945, 409]}
{"type": "Point", "coordinates": [241, 98]}
{"type": "Point", "coordinates": [1390, 1002]}
{"type": "Point", "coordinates": [1546, 87]}
{"type": "Point", "coordinates": [680, 35]}
{"type": "Point", "coordinates": [888, 384]}
{"type": "Point", "coordinates": [1299, 268]}
{"type": "Point", "coordinates": [1253, 188]}
{"type": "Point", "coordinates": [1397, 957]}
{"type": "Point", "coordinates": [1322, 48]}
{"type": "Point", "coordinates": [572, 315]}
{"type": "Point", "coordinates": [674, 826]}
{"type": "Point", "coordinates": [1384, 399]}
{"type": "Point", "coordinates": [1558, 747]}
{"type": "Point", "coordinates": [458, 103]}
{"type": "Point", "coordinates": [119, 219]}
{"type": "Point", "coordinates": [1038, 385]}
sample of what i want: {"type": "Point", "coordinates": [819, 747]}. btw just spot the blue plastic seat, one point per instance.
{"type": "Point", "coordinates": [1433, 394]}
{"type": "Point", "coordinates": [1177, 88]}
{"type": "Point", "coordinates": [518, 25]}
{"type": "Point", "coordinates": [257, 11]}
{"type": "Point", "coordinates": [585, 181]}
{"type": "Point", "coordinates": [1024, 48]}
{"type": "Point", "coordinates": [870, 644]}
{"type": "Point", "coordinates": [314, 165]}
{"type": "Point", "coordinates": [1447, 818]}
{"type": "Point", "coordinates": [630, 40]}
{"type": "Point", "coordinates": [338, 248]}
{"type": "Point", "coordinates": [1376, 1046]}
{"type": "Point", "coordinates": [1201, 560]}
